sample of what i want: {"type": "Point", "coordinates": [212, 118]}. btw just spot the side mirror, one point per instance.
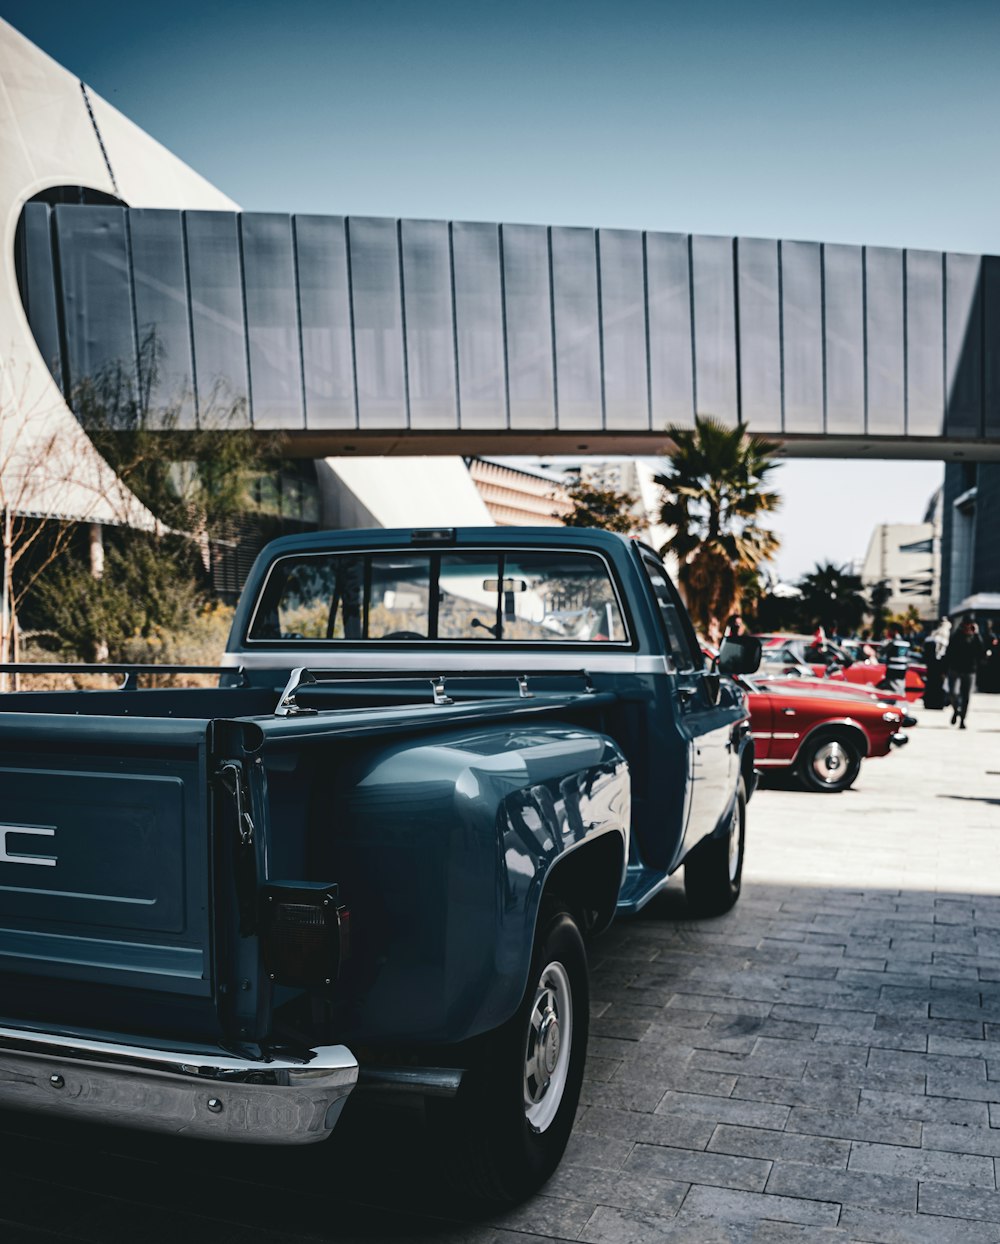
{"type": "Point", "coordinates": [740, 654]}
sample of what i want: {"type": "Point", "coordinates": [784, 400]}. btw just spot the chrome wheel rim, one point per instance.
{"type": "Point", "coordinates": [547, 1050]}
{"type": "Point", "coordinates": [831, 762]}
{"type": "Point", "coordinates": [734, 842]}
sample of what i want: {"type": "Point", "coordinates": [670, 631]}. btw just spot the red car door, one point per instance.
{"type": "Point", "coordinates": [761, 719]}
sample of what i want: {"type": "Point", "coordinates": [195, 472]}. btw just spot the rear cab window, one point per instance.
{"type": "Point", "coordinates": [485, 596]}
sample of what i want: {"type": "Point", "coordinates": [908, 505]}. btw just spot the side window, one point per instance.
{"type": "Point", "coordinates": [681, 645]}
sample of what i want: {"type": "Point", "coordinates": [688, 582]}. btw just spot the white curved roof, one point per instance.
{"type": "Point", "coordinates": [56, 132]}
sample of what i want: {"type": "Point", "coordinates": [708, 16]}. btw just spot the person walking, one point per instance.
{"type": "Point", "coordinates": [895, 654]}
{"type": "Point", "coordinates": [935, 648]}
{"type": "Point", "coordinates": [965, 651]}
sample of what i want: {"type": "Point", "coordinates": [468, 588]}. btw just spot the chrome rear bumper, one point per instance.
{"type": "Point", "coordinates": [204, 1093]}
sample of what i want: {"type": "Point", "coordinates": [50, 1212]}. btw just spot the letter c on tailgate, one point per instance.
{"type": "Point", "coordinates": [38, 831]}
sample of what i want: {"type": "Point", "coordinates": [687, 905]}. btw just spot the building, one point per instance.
{"type": "Point", "coordinates": [970, 537]}
{"type": "Point", "coordinates": [905, 557]}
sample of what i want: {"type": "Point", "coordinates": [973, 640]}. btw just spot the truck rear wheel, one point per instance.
{"type": "Point", "coordinates": [713, 872]}
{"type": "Point", "coordinates": [512, 1118]}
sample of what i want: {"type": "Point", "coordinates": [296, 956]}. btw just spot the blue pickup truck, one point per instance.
{"type": "Point", "coordinates": [436, 763]}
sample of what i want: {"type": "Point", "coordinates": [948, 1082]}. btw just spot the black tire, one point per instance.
{"type": "Point", "coordinates": [713, 872]}
{"type": "Point", "coordinates": [829, 763]}
{"type": "Point", "coordinates": [502, 1146]}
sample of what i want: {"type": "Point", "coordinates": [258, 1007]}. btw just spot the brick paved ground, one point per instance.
{"type": "Point", "coordinates": [823, 1064]}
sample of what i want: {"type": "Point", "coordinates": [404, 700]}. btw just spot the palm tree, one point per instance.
{"type": "Point", "coordinates": [715, 498]}
{"type": "Point", "coordinates": [832, 596]}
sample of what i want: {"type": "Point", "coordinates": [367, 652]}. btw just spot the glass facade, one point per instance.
{"type": "Point", "coordinates": [326, 323]}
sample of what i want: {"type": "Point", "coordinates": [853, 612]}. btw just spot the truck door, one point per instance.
{"type": "Point", "coordinates": [704, 725]}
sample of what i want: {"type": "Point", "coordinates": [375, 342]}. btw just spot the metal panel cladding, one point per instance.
{"type": "Point", "coordinates": [760, 331]}
{"type": "Point", "coordinates": [844, 338]}
{"type": "Point", "coordinates": [528, 325]}
{"type": "Point", "coordinates": [479, 334]}
{"type": "Point", "coordinates": [714, 302]}
{"type": "Point", "coordinates": [219, 330]}
{"type": "Point", "coordinates": [884, 341]}
{"type": "Point", "coordinates": [924, 343]}
{"type": "Point", "coordinates": [272, 310]}
{"type": "Point", "coordinates": [623, 330]}
{"type": "Point", "coordinates": [671, 350]}
{"type": "Point", "coordinates": [163, 316]}
{"type": "Point", "coordinates": [378, 323]}
{"type": "Point", "coordinates": [325, 318]}
{"type": "Point", "coordinates": [991, 345]}
{"type": "Point", "coordinates": [430, 324]}
{"type": "Point", "coordinates": [36, 276]}
{"type": "Point", "coordinates": [97, 306]}
{"type": "Point", "coordinates": [577, 329]}
{"type": "Point", "coordinates": [802, 336]}
{"type": "Point", "coordinates": [963, 345]}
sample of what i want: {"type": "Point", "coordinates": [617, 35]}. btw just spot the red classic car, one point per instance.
{"type": "Point", "coordinates": [833, 661]}
{"type": "Point", "coordinates": [822, 736]}
{"type": "Point", "coordinates": [846, 690]}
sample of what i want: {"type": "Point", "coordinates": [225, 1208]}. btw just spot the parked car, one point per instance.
{"type": "Point", "coordinates": [846, 690]}
{"type": "Point", "coordinates": [832, 660]}
{"type": "Point", "coordinates": [438, 762]}
{"type": "Point", "coordinates": [822, 737]}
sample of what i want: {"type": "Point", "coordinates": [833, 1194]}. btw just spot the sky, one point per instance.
{"type": "Point", "coordinates": [850, 122]}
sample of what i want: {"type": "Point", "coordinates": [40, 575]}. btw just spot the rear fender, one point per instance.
{"type": "Point", "coordinates": [444, 848]}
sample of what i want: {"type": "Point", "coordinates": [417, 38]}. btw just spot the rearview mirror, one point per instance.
{"type": "Point", "coordinates": [740, 654]}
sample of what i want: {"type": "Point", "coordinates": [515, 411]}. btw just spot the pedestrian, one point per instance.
{"type": "Point", "coordinates": [965, 651]}
{"type": "Point", "coordinates": [895, 654]}
{"type": "Point", "coordinates": [935, 648]}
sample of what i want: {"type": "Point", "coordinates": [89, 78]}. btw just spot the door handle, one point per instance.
{"type": "Point", "coordinates": [686, 694]}
{"type": "Point", "coordinates": [788, 712]}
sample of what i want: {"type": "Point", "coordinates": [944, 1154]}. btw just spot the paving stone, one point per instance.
{"type": "Point", "coordinates": [727, 1203]}
{"type": "Point", "coordinates": [875, 1103]}
{"type": "Point", "coordinates": [880, 1129]}
{"type": "Point", "coordinates": [619, 1026]}
{"type": "Point", "coordinates": [923, 1164]}
{"type": "Point", "coordinates": [662, 1197]}
{"type": "Point", "coordinates": [622, 1095]}
{"type": "Point", "coordinates": [860, 1020]}
{"type": "Point", "coordinates": [963, 1046]}
{"type": "Point", "coordinates": [949, 1064]}
{"type": "Point", "coordinates": [681, 1129]}
{"type": "Point", "coordinates": [612, 1225]}
{"type": "Point", "coordinates": [547, 1215]}
{"type": "Point", "coordinates": [656, 1161]}
{"type": "Point", "coordinates": [724, 1109]}
{"type": "Point", "coordinates": [759, 1142]}
{"type": "Point", "coordinates": [956, 1202]}
{"type": "Point", "coordinates": [894, 1227]}
{"type": "Point", "coordinates": [967, 1086]}
{"type": "Point", "coordinates": [717, 1006]}
{"type": "Point", "coordinates": [836, 1098]}
{"type": "Point", "coordinates": [959, 1139]}
{"type": "Point", "coordinates": [600, 1153]}
{"type": "Point", "coordinates": [846, 1187]}
{"type": "Point", "coordinates": [825, 1072]}
{"type": "Point", "coordinates": [836, 1034]}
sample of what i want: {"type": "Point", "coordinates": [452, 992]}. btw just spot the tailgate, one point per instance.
{"type": "Point", "coordinates": [105, 854]}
